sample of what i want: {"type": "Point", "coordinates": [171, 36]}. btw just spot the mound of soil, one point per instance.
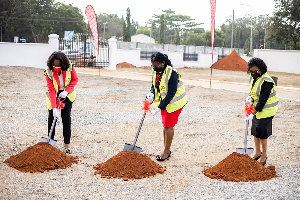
{"type": "Point", "coordinates": [125, 65]}
{"type": "Point", "coordinates": [39, 158]}
{"type": "Point", "coordinates": [128, 165]}
{"type": "Point", "coordinates": [240, 168]}
{"type": "Point", "coordinates": [231, 62]}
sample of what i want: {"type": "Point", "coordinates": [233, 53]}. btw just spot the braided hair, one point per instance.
{"type": "Point", "coordinates": [58, 55]}
{"type": "Point", "coordinates": [160, 57]}
{"type": "Point", "coordinates": [259, 63]}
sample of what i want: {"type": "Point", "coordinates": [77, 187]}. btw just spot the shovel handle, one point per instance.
{"type": "Point", "coordinates": [51, 129]}
{"type": "Point", "coordinates": [246, 134]}
{"type": "Point", "coordinates": [52, 126]}
{"type": "Point", "coordinates": [139, 129]}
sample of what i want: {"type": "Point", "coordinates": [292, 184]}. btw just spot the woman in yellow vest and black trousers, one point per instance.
{"type": "Point", "coordinates": [265, 101]}
{"type": "Point", "coordinates": [61, 79]}
{"type": "Point", "coordinates": [169, 97]}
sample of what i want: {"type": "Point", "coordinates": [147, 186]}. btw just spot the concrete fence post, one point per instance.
{"type": "Point", "coordinates": [53, 42]}
{"type": "Point", "coordinates": [112, 42]}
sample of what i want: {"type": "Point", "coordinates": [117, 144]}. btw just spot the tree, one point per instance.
{"type": "Point", "coordinates": [173, 22]}
{"type": "Point", "coordinates": [177, 38]}
{"type": "Point", "coordinates": [34, 20]}
{"type": "Point", "coordinates": [285, 26]}
{"type": "Point", "coordinates": [143, 30]}
{"type": "Point", "coordinates": [127, 31]}
{"type": "Point", "coordinates": [162, 29]}
{"type": "Point", "coordinates": [113, 25]}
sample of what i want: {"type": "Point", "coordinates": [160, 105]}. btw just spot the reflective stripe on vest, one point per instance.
{"type": "Point", "coordinates": [271, 106]}
{"type": "Point", "coordinates": [179, 99]}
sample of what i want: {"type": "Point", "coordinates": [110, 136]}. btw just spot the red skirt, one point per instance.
{"type": "Point", "coordinates": [170, 119]}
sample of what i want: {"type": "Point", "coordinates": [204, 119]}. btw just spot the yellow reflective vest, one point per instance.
{"type": "Point", "coordinates": [51, 101]}
{"type": "Point", "coordinates": [271, 105]}
{"type": "Point", "coordinates": [180, 98]}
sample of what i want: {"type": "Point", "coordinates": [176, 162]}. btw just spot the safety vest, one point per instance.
{"type": "Point", "coordinates": [271, 105]}
{"type": "Point", "coordinates": [71, 96]}
{"type": "Point", "coordinates": [180, 98]}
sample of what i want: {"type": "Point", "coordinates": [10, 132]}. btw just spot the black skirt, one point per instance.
{"type": "Point", "coordinates": [261, 128]}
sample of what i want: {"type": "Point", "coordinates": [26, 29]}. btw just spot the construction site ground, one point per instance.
{"type": "Point", "coordinates": [106, 115]}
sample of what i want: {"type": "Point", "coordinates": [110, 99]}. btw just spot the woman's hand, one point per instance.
{"type": "Point", "coordinates": [63, 94]}
{"type": "Point", "coordinates": [154, 112]}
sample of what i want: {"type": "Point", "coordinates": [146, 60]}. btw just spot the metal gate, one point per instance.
{"type": "Point", "coordinates": [81, 51]}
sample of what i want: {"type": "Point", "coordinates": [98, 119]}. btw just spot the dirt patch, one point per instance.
{"type": "Point", "coordinates": [231, 62]}
{"type": "Point", "coordinates": [128, 165]}
{"type": "Point", "coordinates": [39, 158]}
{"type": "Point", "coordinates": [125, 65]}
{"type": "Point", "coordinates": [240, 168]}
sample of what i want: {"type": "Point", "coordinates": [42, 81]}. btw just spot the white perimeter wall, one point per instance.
{"type": "Point", "coordinates": [280, 60]}
{"type": "Point", "coordinates": [28, 54]}
{"type": "Point", "coordinates": [36, 55]}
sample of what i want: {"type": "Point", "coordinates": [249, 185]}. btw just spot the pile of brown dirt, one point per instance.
{"type": "Point", "coordinates": [39, 158]}
{"type": "Point", "coordinates": [128, 165]}
{"type": "Point", "coordinates": [125, 65]}
{"type": "Point", "coordinates": [240, 168]}
{"type": "Point", "coordinates": [231, 62]}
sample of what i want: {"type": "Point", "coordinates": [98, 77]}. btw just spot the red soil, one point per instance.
{"type": "Point", "coordinates": [39, 158]}
{"type": "Point", "coordinates": [125, 65]}
{"type": "Point", "coordinates": [128, 165]}
{"type": "Point", "coordinates": [231, 62]}
{"type": "Point", "coordinates": [240, 168]}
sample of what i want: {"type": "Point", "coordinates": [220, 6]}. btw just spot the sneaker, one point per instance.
{"type": "Point", "coordinates": [68, 151]}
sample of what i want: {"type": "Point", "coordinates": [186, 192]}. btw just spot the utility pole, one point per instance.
{"type": "Point", "coordinates": [104, 23]}
{"type": "Point", "coordinates": [250, 51]}
{"type": "Point", "coordinates": [232, 30]}
{"type": "Point", "coordinates": [265, 38]}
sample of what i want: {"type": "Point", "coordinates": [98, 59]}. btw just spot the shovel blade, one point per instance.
{"type": "Point", "coordinates": [52, 142]}
{"type": "Point", "coordinates": [129, 147]}
{"type": "Point", "coordinates": [244, 151]}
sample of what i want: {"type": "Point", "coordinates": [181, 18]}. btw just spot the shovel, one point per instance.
{"type": "Point", "coordinates": [245, 150]}
{"type": "Point", "coordinates": [49, 140]}
{"type": "Point", "coordinates": [129, 147]}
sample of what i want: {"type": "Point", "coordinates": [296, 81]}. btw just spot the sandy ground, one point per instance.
{"type": "Point", "coordinates": [106, 115]}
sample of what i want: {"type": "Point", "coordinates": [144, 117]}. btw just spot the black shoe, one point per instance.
{"type": "Point", "coordinates": [68, 151]}
{"type": "Point", "coordinates": [258, 157]}
{"type": "Point", "coordinates": [158, 158]}
{"type": "Point", "coordinates": [264, 163]}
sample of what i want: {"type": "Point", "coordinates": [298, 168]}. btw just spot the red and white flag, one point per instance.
{"type": "Point", "coordinates": [92, 20]}
{"type": "Point", "coordinates": [213, 14]}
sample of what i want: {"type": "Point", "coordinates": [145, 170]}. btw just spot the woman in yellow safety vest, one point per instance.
{"type": "Point", "coordinates": [61, 79]}
{"type": "Point", "coordinates": [265, 101]}
{"type": "Point", "coordinates": [169, 97]}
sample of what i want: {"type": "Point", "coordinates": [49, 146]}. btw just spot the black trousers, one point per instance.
{"type": "Point", "coordinates": [66, 120]}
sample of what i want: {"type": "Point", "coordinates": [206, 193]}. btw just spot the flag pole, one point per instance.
{"type": "Point", "coordinates": [212, 34]}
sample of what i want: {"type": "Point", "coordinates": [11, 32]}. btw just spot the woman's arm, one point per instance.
{"type": "Point", "coordinates": [172, 89]}
{"type": "Point", "coordinates": [74, 81]}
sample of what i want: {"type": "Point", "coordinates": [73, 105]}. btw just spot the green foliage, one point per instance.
{"type": "Point", "coordinates": [34, 20]}
{"type": "Point", "coordinates": [143, 30]}
{"type": "Point", "coordinates": [162, 29]}
{"type": "Point", "coordinates": [112, 23]}
{"type": "Point", "coordinates": [177, 38]}
{"type": "Point", "coordinates": [285, 25]}
{"type": "Point", "coordinates": [173, 22]}
{"type": "Point", "coordinates": [127, 31]}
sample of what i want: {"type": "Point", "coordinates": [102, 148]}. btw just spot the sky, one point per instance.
{"type": "Point", "coordinates": [141, 11]}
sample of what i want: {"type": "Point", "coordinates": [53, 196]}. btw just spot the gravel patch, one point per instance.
{"type": "Point", "coordinates": [106, 115]}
